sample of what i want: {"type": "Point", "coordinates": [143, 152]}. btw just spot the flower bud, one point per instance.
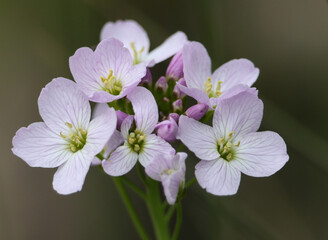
{"type": "Point", "coordinates": [175, 116]}
{"type": "Point", "coordinates": [175, 68]}
{"type": "Point", "coordinates": [177, 90]}
{"type": "Point", "coordinates": [177, 106]}
{"type": "Point", "coordinates": [161, 84]}
{"type": "Point", "coordinates": [167, 129]}
{"type": "Point", "coordinates": [120, 117]}
{"type": "Point", "coordinates": [146, 80]}
{"type": "Point", "coordinates": [197, 111]}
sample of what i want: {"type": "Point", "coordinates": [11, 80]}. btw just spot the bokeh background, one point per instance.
{"type": "Point", "coordinates": [286, 39]}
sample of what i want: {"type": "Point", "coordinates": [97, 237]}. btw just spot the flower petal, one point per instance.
{"type": "Point", "coordinates": [195, 93]}
{"type": "Point", "coordinates": [145, 109]}
{"type": "Point", "coordinates": [171, 185]}
{"type": "Point", "coordinates": [198, 137]}
{"type": "Point", "coordinates": [69, 178]}
{"type": "Point", "coordinates": [240, 114]}
{"type": "Point", "coordinates": [218, 177]}
{"type": "Point", "coordinates": [38, 146]}
{"type": "Point", "coordinates": [196, 65]}
{"type": "Point", "coordinates": [158, 165]}
{"type": "Point", "coordinates": [128, 31]}
{"type": "Point", "coordinates": [126, 125]}
{"type": "Point", "coordinates": [168, 48]}
{"type": "Point", "coordinates": [84, 71]}
{"type": "Point", "coordinates": [234, 72]}
{"type": "Point", "coordinates": [120, 161]}
{"type": "Point", "coordinates": [260, 154]}
{"type": "Point", "coordinates": [100, 130]}
{"type": "Point", "coordinates": [61, 102]}
{"type": "Point", "coordinates": [152, 147]}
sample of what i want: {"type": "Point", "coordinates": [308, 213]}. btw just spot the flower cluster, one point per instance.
{"type": "Point", "coordinates": [138, 121]}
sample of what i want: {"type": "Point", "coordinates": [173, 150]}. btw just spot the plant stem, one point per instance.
{"type": "Point", "coordinates": [154, 204]}
{"type": "Point", "coordinates": [169, 213]}
{"type": "Point", "coordinates": [178, 222]}
{"type": "Point", "coordinates": [133, 187]}
{"type": "Point", "coordinates": [190, 182]}
{"type": "Point", "coordinates": [129, 207]}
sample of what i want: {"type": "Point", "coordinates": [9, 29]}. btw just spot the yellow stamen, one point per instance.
{"type": "Point", "coordinates": [68, 124]}
{"type": "Point", "coordinates": [218, 88]}
{"type": "Point", "coordinates": [237, 144]}
{"type": "Point", "coordinates": [208, 85]}
{"type": "Point", "coordinates": [230, 134]}
{"type": "Point", "coordinates": [136, 147]}
{"type": "Point", "coordinates": [62, 135]}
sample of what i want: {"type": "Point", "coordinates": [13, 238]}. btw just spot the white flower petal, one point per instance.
{"type": "Point", "coordinates": [128, 31]}
{"type": "Point", "coordinates": [198, 137]}
{"type": "Point", "coordinates": [153, 146]}
{"type": "Point", "coordinates": [196, 65]}
{"type": "Point", "coordinates": [38, 146]}
{"type": "Point", "coordinates": [100, 130]}
{"type": "Point", "coordinates": [69, 178]}
{"type": "Point", "coordinates": [168, 48]}
{"type": "Point", "coordinates": [145, 109]}
{"type": "Point", "coordinates": [234, 72]}
{"type": "Point", "coordinates": [241, 114]}
{"type": "Point", "coordinates": [121, 161]}
{"type": "Point", "coordinates": [126, 125]}
{"type": "Point", "coordinates": [218, 177]}
{"type": "Point", "coordinates": [195, 93]}
{"type": "Point", "coordinates": [171, 185]}
{"type": "Point", "coordinates": [62, 102]}
{"type": "Point", "coordinates": [260, 154]}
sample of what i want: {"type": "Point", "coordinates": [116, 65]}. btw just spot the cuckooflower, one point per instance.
{"type": "Point", "coordinates": [139, 141]}
{"type": "Point", "coordinates": [136, 40]}
{"type": "Point", "coordinates": [206, 87]}
{"type": "Point", "coordinates": [167, 129]}
{"type": "Point", "coordinates": [67, 138]}
{"type": "Point", "coordinates": [232, 145]}
{"type": "Point", "coordinates": [170, 170]}
{"type": "Point", "coordinates": [106, 74]}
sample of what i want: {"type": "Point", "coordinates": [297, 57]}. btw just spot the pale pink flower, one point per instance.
{"type": "Point", "coordinates": [232, 145]}
{"type": "Point", "coordinates": [170, 170]}
{"type": "Point", "coordinates": [106, 74]}
{"type": "Point", "coordinates": [136, 40]}
{"type": "Point", "coordinates": [139, 141]}
{"type": "Point", "coordinates": [206, 87]}
{"type": "Point", "coordinates": [67, 138]}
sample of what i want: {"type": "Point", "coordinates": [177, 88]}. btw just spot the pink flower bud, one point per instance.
{"type": "Point", "coordinates": [161, 84]}
{"type": "Point", "coordinates": [197, 111]}
{"type": "Point", "coordinates": [146, 80]}
{"type": "Point", "coordinates": [175, 116]}
{"type": "Point", "coordinates": [167, 129]}
{"type": "Point", "coordinates": [177, 90]}
{"type": "Point", "coordinates": [177, 105]}
{"type": "Point", "coordinates": [175, 68]}
{"type": "Point", "coordinates": [120, 117]}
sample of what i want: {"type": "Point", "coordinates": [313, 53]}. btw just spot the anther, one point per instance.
{"type": "Point", "coordinates": [68, 124]}
{"type": "Point", "coordinates": [230, 134]}
{"type": "Point", "coordinates": [229, 156]}
{"type": "Point", "coordinates": [237, 144]}
{"type": "Point", "coordinates": [62, 135]}
{"type": "Point", "coordinates": [132, 134]}
{"type": "Point", "coordinates": [218, 88]}
{"type": "Point", "coordinates": [136, 147]}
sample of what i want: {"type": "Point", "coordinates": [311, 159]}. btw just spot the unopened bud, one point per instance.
{"type": "Point", "coordinates": [177, 106]}
{"type": "Point", "coordinates": [177, 90]}
{"type": "Point", "coordinates": [120, 117]}
{"type": "Point", "coordinates": [197, 111]}
{"type": "Point", "coordinates": [175, 116]}
{"type": "Point", "coordinates": [146, 80]}
{"type": "Point", "coordinates": [175, 68]}
{"type": "Point", "coordinates": [161, 84]}
{"type": "Point", "coordinates": [167, 129]}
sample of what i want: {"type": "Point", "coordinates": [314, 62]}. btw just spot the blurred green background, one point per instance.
{"type": "Point", "coordinates": [286, 39]}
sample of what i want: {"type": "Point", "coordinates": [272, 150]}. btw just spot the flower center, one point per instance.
{"type": "Point", "coordinates": [226, 148]}
{"type": "Point", "coordinates": [76, 138]}
{"type": "Point", "coordinates": [208, 88]}
{"type": "Point", "coordinates": [167, 171]}
{"type": "Point", "coordinates": [137, 54]}
{"type": "Point", "coordinates": [136, 140]}
{"type": "Point", "coordinates": [112, 85]}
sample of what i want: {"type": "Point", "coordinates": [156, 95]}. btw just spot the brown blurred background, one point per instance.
{"type": "Point", "coordinates": [286, 39]}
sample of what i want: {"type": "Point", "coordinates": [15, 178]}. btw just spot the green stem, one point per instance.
{"type": "Point", "coordinates": [154, 204]}
{"type": "Point", "coordinates": [178, 222]}
{"type": "Point", "coordinates": [133, 187]}
{"type": "Point", "coordinates": [129, 207]}
{"type": "Point", "coordinates": [190, 182]}
{"type": "Point", "coordinates": [169, 213]}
